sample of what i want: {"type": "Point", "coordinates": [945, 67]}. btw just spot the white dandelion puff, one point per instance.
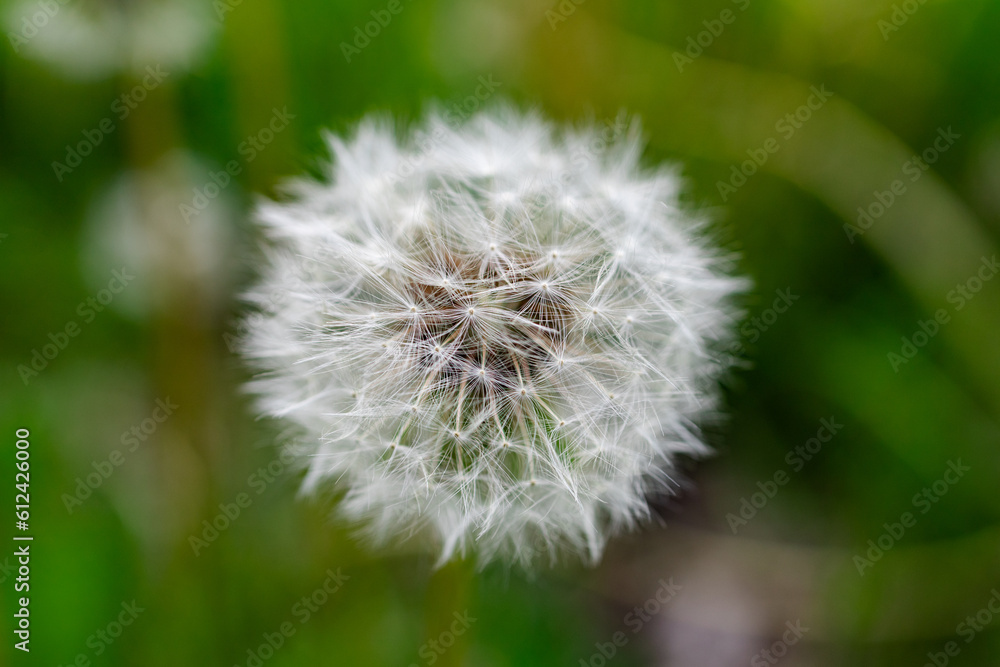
{"type": "Point", "coordinates": [90, 39]}
{"type": "Point", "coordinates": [495, 341]}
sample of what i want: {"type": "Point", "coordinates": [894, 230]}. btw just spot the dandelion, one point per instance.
{"type": "Point", "coordinates": [89, 39]}
{"type": "Point", "coordinates": [135, 222]}
{"type": "Point", "coordinates": [493, 337]}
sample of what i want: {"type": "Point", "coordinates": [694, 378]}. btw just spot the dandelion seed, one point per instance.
{"type": "Point", "coordinates": [485, 462]}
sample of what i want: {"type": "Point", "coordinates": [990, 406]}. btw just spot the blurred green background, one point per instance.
{"type": "Point", "coordinates": [722, 87]}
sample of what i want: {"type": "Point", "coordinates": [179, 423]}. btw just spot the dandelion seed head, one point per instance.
{"type": "Point", "coordinates": [535, 334]}
{"type": "Point", "coordinates": [89, 40]}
